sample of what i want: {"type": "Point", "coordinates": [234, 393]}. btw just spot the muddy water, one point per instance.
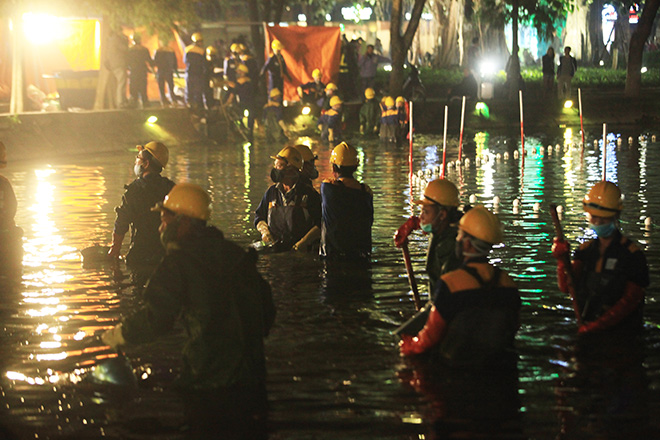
{"type": "Point", "coordinates": [334, 370]}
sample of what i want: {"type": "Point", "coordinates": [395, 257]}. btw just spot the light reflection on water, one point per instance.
{"type": "Point", "coordinates": [334, 371]}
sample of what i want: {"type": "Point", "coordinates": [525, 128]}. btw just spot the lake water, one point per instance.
{"type": "Point", "coordinates": [334, 371]}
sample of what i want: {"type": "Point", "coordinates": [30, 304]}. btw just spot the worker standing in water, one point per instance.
{"type": "Point", "coordinates": [348, 209]}
{"type": "Point", "coordinates": [476, 308]}
{"type": "Point", "coordinates": [439, 219]}
{"type": "Point", "coordinates": [309, 171]}
{"type": "Point", "coordinates": [213, 287]}
{"type": "Point", "coordinates": [610, 272]}
{"type": "Point", "coordinates": [289, 215]}
{"type": "Point", "coordinates": [11, 245]}
{"type": "Point", "coordinates": [148, 188]}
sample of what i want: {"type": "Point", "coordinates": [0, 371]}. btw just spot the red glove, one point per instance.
{"type": "Point", "coordinates": [405, 229]}
{"type": "Point", "coordinates": [632, 297]}
{"type": "Point", "coordinates": [560, 248]}
{"type": "Point", "coordinates": [430, 335]}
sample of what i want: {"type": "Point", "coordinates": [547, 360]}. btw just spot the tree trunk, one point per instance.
{"type": "Point", "coordinates": [17, 86]}
{"type": "Point", "coordinates": [595, 30]}
{"type": "Point", "coordinates": [513, 68]}
{"type": "Point", "coordinates": [401, 43]}
{"type": "Point", "coordinates": [576, 33]}
{"type": "Point", "coordinates": [255, 32]}
{"type": "Point", "coordinates": [637, 40]}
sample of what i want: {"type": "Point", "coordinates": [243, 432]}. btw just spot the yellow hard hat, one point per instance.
{"type": "Point", "coordinates": [196, 36]}
{"type": "Point", "coordinates": [291, 156]}
{"type": "Point", "coordinates": [275, 92]}
{"type": "Point", "coordinates": [400, 99]}
{"type": "Point", "coordinates": [335, 100]}
{"type": "Point", "coordinates": [603, 200]}
{"type": "Point", "coordinates": [3, 155]}
{"type": "Point", "coordinates": [331, 86]}
{"type": "Point", "coordinates": [482, 224]}
{"type": "Point", "coordinates": [158, 150]}
{"type": "Point", "coordinates": [316, 73]}
{"type": "Point", "coordinates": [211, 50]}
{"type": "Point", "coordinates": [242, 68]}
{"type": "Point", "coordinates": [276, 45]}
{"type": "Point", "coordinates": [344, 155]}
{"type": "Point", "coordinates": [369, 93]}
{"type": "Point", "coordinates": [389, 101]}
{"type": "Point", "coordinates": [305, 152]}
{"type": "Point", "coordinates": [188, 199]}
{"type": "Point", "coordinates": [234, 47]}
{"type": "Point", "coordinates": [439, 192]}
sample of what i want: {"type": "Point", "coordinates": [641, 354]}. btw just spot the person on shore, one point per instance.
{"type": "Point", "coordinates": [275, 67]}
{"type": "Point", "coordinates": [565, 72]}
{"type": "Point", "coordinates": [139, 64]}
{"type": "Point", "coordinates": [368, 64]}
{"type": "Point", "coordinates": [165, 64]}
{"type": "Point", "coordinates": [11, 245]}
{"type": "Point", "coordinates": [348, 209]}
{"type": "Point", "coordinates": [195, 61]}
{"type": "Point", "coordinates": [289, 215]}
{"type": "Point", "coordinates": [330, 123]}
{"type": "Point", "coordinates": [212, 286]}
{"type": "Point", "coordinates": [476, 308]}
{"type": "Point", "coordinates": [309, 171]}
{"type": "Point", "coordinates": [242, 95]}
{"type": "Point", "coordinates": [610, 273]}
{"type": "Point", "coordinates": [369, 114]}
{"type": "Point", "coordinates": [438, 219]}
{"type": "Point", "coordinates": [135, 213]}
{"type": "Point", "coordinates": [273, 116]}
{"type": "Point", "coordinates": [467, 87]}
{"type": "Point", "coordinates": [313, 92]}
{"type": "Point", "coordinates": [389, 121]}
{"type": "Point", "coordinates": [116, 61]}
{"type": "Point", "coordinates": [548, 61]}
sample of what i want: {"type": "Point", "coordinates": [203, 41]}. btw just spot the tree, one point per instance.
{"type": "Point", "coordinates": [637, 41]}
{"type": "Point", "coordinates": [401, 42]}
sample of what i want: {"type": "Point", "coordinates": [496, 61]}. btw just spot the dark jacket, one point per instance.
{"type": "Point", "coordinates": [135, 212]}
{"type": "Point", "coordinates": [212, 286]}
{"type": "Point", "coordinates": [348, 214]}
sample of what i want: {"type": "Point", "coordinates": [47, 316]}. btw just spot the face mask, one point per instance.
{"type": "Point", "coordinates": [603, 231]}
{"type": "Point", "coordinates": [276, 175]}
{"type": "Point", "coordinates": [313, 174]}
{"type": "Point", "coordinates": [426, 227]}
{"type": "Point", "coordinates": [138, 170]}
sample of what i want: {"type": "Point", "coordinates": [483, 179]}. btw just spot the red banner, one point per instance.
{"type": "Point", "coordinates": [305, 49]}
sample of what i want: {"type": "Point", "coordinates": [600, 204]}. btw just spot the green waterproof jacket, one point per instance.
{"type": "Point", "coordinates": [370, 116]}
{"type": "Point", "coordinates": [441, 255]}
{"type": "Point", "coordinates": [213, 287]}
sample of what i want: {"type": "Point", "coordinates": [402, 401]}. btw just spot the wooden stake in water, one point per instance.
{"type": "Point", "coordinates": [581, 124]}
{"type": "Point", "coordinates": [444, 145]}
{"type": "Point", "coordinates": [460, 139]}
{"type": "Point", "coordinates": [522, 131]}
{"type": "Point", "coordinates": [604, 151]}
{"type": "Point", "coordinates": [410, 156]}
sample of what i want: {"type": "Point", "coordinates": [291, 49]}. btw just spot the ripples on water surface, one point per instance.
{"type": "Point", "coordinates": [334, 369]}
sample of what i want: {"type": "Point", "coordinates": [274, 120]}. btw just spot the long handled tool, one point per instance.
{"type": "Point", "coordinates": [411, 275]}
{"type": "Point", "coordinates": [567, 264]}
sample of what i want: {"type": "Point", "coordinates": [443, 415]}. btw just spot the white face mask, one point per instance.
{"type": "Point", "coordinates": [138, 170]}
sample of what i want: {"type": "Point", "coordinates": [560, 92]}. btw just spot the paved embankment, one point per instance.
{"type": "Point", "coordinates": [46, 135]}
